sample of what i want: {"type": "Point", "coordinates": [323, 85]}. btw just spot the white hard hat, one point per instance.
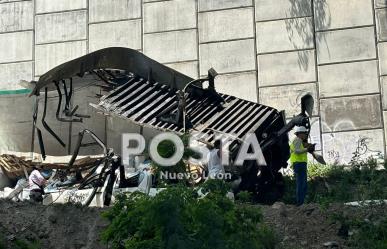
{"type": "Point", "coordinates": [301, 129]}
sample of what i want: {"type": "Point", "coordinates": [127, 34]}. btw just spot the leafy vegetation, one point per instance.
{"type": "Point", "coordinates": [21, 244]}
{"type": "Point", "coordinates": [362, 180]}
{"type": "Point", "coordinates": [364, 232]}
{"type": "Point", "coordinates": [178, 218]}
{"type": "Point", "coordinates": [2, 243]}
{"type": "Point", "coordinates": [18, 244]}
{"type": "Point", "coordinates": [244, 196]}
{"type": "Point", "coordinates": [369, 235]}
{"type": "Point", "coordinates": [166, 149]}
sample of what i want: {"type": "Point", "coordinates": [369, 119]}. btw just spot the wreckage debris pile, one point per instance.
{"type": "Point", "coordinates": [12, 165]}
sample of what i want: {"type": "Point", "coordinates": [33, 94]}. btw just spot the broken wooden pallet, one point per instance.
{"type": "Point", "coordinates": [12, 165]}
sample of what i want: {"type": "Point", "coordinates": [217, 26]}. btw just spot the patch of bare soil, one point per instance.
{"type": "Point", "coordinates": [55, 226]}
{"type": "Point", "coordinates": [311, 227]}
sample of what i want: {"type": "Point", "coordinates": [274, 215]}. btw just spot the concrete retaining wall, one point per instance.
{"type": "Point", "coordinates": [270, 51]}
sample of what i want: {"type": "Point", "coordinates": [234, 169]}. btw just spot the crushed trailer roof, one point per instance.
{"type": "Point", "coordinates": [117, 58]}
{"type": "Point", "coordinates": [142, 102]}
{"type": "Point", "coordinates": [145, 92]}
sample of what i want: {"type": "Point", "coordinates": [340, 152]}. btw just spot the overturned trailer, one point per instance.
{"type": "Point", "coordinates": [150, 94]}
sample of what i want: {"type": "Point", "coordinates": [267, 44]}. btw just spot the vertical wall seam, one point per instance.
{"type": "Point", "coordinates": [141, 129]}
{"type": "Point", "coordinates": [33, 38]}
{"type": "Point", "coordinates": [87, 28]}
{"type": "Point", "coordinates": [142, 26]}
{"type": "Point", "coordinates": [256, 50]}
{"type": "Point", "coordinates": [379, 76]}
{"type": "Point", "coordinates": [33, 74]}
{"type": "Point", "coordinates": [317, 76]}
{"type": "Point", "coordinates": [197, 37]}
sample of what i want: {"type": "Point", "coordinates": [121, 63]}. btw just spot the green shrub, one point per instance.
{"type": "Point", "coordinates": [2, 243]}
{"type": "Point", "coordinates": [18, 244]}
{"type": "Point", "coordinates": [244, 196]}
{"type": "Point", "coordinates": [336, 183]}
{"type": "Point", "coordinates": [177, 218]}
{"type": "Point", "coordinates": [21, 244]}
{"type": "Point", "coordinates": [167, 149]}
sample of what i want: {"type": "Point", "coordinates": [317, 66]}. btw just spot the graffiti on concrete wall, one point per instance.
{"type": "Point", "coordinates": [348, 147]}
{"type": "Point", "coordinates": [76, 197]}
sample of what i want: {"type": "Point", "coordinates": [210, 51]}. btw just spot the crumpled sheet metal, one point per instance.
{"type": "Point", "coordinates": [113, 58]}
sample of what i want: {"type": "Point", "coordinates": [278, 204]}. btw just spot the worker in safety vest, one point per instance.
{"type": "Point", "coordinates": [299, 149]}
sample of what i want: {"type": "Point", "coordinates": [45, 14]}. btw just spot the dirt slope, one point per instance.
{"type": "Point", "coordinates": [74, 227]}
{"type": "Point", "coordinates": [311, 226]}
{"type": "Point", "coordinates": [55, 227]}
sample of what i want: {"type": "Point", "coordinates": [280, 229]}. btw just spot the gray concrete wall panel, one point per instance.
{"type": "Point", "coordinates": [16, 16]}
{"type": "Point", "coordinates": [45, 6]}
{"type": "Point", "coordinates": [335, 14]}
{"type": "Point", "coordinates": [284, 68]}
{"type": "Point", "coordinates": [207, 5]}
{"type": "Point", "coordinates": [288, 97]}
{"type": "Point", "coordinates": [351, 113]}
{"type": "Point", "coordinates": [227, 57]}
{"type": "Point", "coordinates": [381, 24]}
{"type": "Point", "coordinates": [242, 85]}
{"type": "Point", "coordinates": [102, 10]}
{"type": "Point", "coordinates": [169, 15]}
{"type": "Point", "coordinates": [380, 3]}
{"type": "Point", "coordinates": [16, 46]}
{"type": "Point", "coordinates": [189, 68]}
{"type": "Point", "coordinates": [226, 25]}
{"type": "Point", "coordinates": [49, 56]}
{"type": "Point", "coordinates": [149, 1]}
{"type": "Point", "coordinates": [281, 9]}
{"type": "Point", "coordinates": [172, 46]}
{"type": "Point", "coordinates": [15, 133]}
{"type": "Point", "coordinates": [382, 48]}
{"type": "Point", "coordinates": [11, 74]}
{"type": "Point", "coordinates": [349, 79]}
{"type": "Point", "coordinates": [339, 147]}
{"type": "Point", "coordinates": [58, 27]}
{"type": "Point", "coordinates": [285, 35]}
{"type": "Point", "coordinates": [346, 45]}
{"type": "Point", "coordinates": [120, 34]}
{"type": "Point", "coordinates": [383, 83]}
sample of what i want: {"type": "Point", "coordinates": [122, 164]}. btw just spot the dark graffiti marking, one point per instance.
{"type": "Point", "coordinates": [362, 145]}
{"type": "Point", "coordinates": [334, 155]}
{"type": "Point", "coordinates": [74, 197]}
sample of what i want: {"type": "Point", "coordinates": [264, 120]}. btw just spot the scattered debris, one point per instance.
{"type": "Point", "coordinates": [12, 165]}
{"type": "Point", "coordinates": [366, 203]}
{"type": "Point", "coordinates": [331, 244]}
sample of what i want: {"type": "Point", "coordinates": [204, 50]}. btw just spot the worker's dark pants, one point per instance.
{"type": "Point", "coordinates": [36, 195]}
{"type": "Point", "coordinates": [300, 171]}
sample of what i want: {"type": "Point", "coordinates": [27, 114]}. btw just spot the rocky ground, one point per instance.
{"type": "Point", "coordinates": [74, 227]}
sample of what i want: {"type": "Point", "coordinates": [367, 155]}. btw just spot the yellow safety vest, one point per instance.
{"type": "Point", "coordinates": [298, 158]}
